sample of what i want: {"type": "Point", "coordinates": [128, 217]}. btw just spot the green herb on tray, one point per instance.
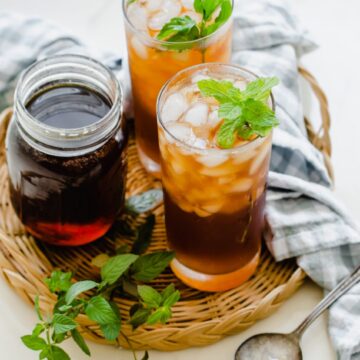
{"type": "Point", "coordinates": [125, 274]}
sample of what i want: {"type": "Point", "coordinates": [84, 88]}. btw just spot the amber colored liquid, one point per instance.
{"type": "Point", "coordinates": [67, 200]}
{"type": "Point", "coordinates": [217, 244]}
{"type": "Point", "coordinates": [150, 69]}
{"type": "Point", "coordinates": [214, 214]}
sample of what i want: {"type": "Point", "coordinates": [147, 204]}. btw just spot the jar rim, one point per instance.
{"type": "Point", "coordinates": [198, 150]}
{"type": "Point", "coordinates": [165, 43]}
{"type": "Point", "coordinates": [69, 68]}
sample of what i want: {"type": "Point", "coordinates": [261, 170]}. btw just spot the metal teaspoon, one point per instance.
{"type": "Point", "coordinates": [272, 346]}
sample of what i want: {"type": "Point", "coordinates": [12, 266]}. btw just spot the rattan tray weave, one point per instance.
{"type": "Point", "coordinates": [198, 319]}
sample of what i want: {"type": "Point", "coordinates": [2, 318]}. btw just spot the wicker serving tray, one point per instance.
{"type": "Point", "coordinates": [199, 318]}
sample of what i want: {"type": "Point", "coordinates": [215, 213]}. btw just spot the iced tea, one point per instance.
{"type": "Point", "coordinates": [214, 198]}
{"type": "Point", "coordinates": [152, 62]}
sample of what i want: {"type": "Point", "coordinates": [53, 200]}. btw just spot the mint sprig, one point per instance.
{"type": "Point", "coordinates": [182, 29]}
{"type": "Point", "coordinates": [245, 113]}
{"type": "Point", "coordinates": [120, 273]}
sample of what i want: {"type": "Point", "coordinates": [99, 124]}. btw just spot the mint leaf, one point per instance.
{"type": "Point", "coordinates": [56, 353]}
{"type": "Point", "coordinates": [169, 290]}
{"type": "Point", "coordinates": [198, 6]}
{"type": "Point", "coordinates": [37, 307]}
{"type": "Point", "coordinates": [115, 267]}
{"type": "Point", "coordinates": [245, 113]}
{"type": "Point", "coordinates": [209, 6]}
{"type": "Point", "coordinates": [229, 111]}
{"type": "Point", "coordinates": [150, 296]}
{"type": "Point", "coordinates": [139, 317]}
{"type": "Point", "coordinates": [225, 13]}
{"type": "Point", "coordinates": [145, 201]}
{"type": "Point", "coordinates": [79, 340]}
{"type": "Point", "coordinates": [111, 330]}
{"type": "Point", "coordinates": [33, 342]}
{"type": "Point", "coordinates": [259, 117]}
{"type": "Point", "coordinates": [206, 7]}
{"type": "Point", "coordinates": [62, 323]}
{"type": "Point", "coordinates": [222, 91]}
{"type": "Point", "coordinates": [161, 315]}
{"type": "Point", "coordinates": [99, 310]}
{"type": "Point", "coordinates": [172, 299]}
{"type": "Point", "coordinates": [260, 88]}
{"type": "Point", "coordinates": [143, 235]}
{"type": "Point", "coordinates": [179, 28]}
{"type": "Point", "coordinates": [78, 288]}
{"type": "Point", "coordinates": [226, 135]}
{"type": "Point", "coordinates": [148, 267]}
{"type": "Point", "coordinates": [59, 281]}
{"type": "Point", "coordinates": [38, 329]}
{"type": "Point", "coordinates": [100, 260]}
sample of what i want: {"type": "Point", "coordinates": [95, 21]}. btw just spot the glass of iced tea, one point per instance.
{"type": "Point", "coordinates": [156, 54]}
{"type": "Point", "coordinates": [214, 197]}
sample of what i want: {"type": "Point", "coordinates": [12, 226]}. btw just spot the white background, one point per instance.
{"type": "Point", "coordinates": [336, 27]}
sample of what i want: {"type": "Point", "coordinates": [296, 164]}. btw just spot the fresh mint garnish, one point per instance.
{"type": "Point", "coordinates": [183, 28]}
{"type": "Point", "coordinates": [179, 29]}
{"type": "Point", "coordinates": [117, 273]}
{"type": "Point", "coordinates": [245, 113]}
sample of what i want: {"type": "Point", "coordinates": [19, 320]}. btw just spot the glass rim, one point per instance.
{"type": "Point", "coordinates": [195, 149]}
{"type": "Point", "coordinates": [165, 43]}
{"type": "Point", "coordinates": [70, 133]}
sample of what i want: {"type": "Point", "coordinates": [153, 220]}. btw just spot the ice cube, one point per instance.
{"type": "Point", "coordinates": [199, 77]}
{"type": "Point", "coordinates": [200, 143]}
{"type": "Point", "coordinates": [241, 85]}
{"type": "Point", "coordinates": [193, 15]}
{"type": "Point", "coordinates": [191, 93]}
{"type": "Point", "coordinates": [259, 159]}
{"type": "Point", "coordinates": [181, 132]}
{"type": "Point", "coordinates": [137, 16]}
{"type": "Point", "coordinates": [241, 185]}
{"type": "Point", "coordinates": [214, 119]}
{"type": "Point", "coordinates": [169, 9]}
{"type": "Point", "coordinates": [213, 207]}
{"type": "Point", "coordinates": [200, 212]}
{"type": "Point", "coordinates": [139, 47]}
{"type": "Point", "coordinates": [212, 160]}
{"type": "Point", "coordinates": [188, 4]}
{"type": "Point", "coordinates": [172, 8]}
{"type": "Point", "coordinates": [175, 105]}
{"type": "Point", "coordinates": [197, 115]}
{"type": "Point", "coordinates": [157, 21]}
{"type": "Point", "coordinates": [244, 156]}
{"type": "Point", "coordinates": [154, 5]}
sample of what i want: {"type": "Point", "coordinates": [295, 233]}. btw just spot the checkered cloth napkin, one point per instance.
{"type": "Point", "coordinates": [306, 219]}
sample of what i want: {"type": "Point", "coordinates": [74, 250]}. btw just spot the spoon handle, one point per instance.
{"type": "Point", "coordinates": [334, 294]}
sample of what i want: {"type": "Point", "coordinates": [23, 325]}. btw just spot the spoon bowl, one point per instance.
{"type": "Point", "coordinates": [272, 346]}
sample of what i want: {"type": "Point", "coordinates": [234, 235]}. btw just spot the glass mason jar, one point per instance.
{"type": "Point", "coordinates": [66, 150]}
{"type": "Point", "coordinates": [214, 198]}
{"type": "Point", "coordinates": [152, 62]}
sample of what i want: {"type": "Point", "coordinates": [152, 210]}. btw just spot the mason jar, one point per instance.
{"type": "Point", "coordinates": [66, 150]}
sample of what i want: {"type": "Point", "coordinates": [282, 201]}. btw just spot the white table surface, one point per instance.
{"type": "Point", "coordinates": [335, 26]}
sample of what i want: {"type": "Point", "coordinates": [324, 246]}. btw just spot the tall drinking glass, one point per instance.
{"type": "Point", "coordinates": [152, 62]}
{"type": "Point", "coordinates": [214, 198]}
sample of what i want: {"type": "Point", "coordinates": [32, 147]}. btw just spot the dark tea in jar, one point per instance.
{"type": "Point", "coordinates": [66, 150]}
